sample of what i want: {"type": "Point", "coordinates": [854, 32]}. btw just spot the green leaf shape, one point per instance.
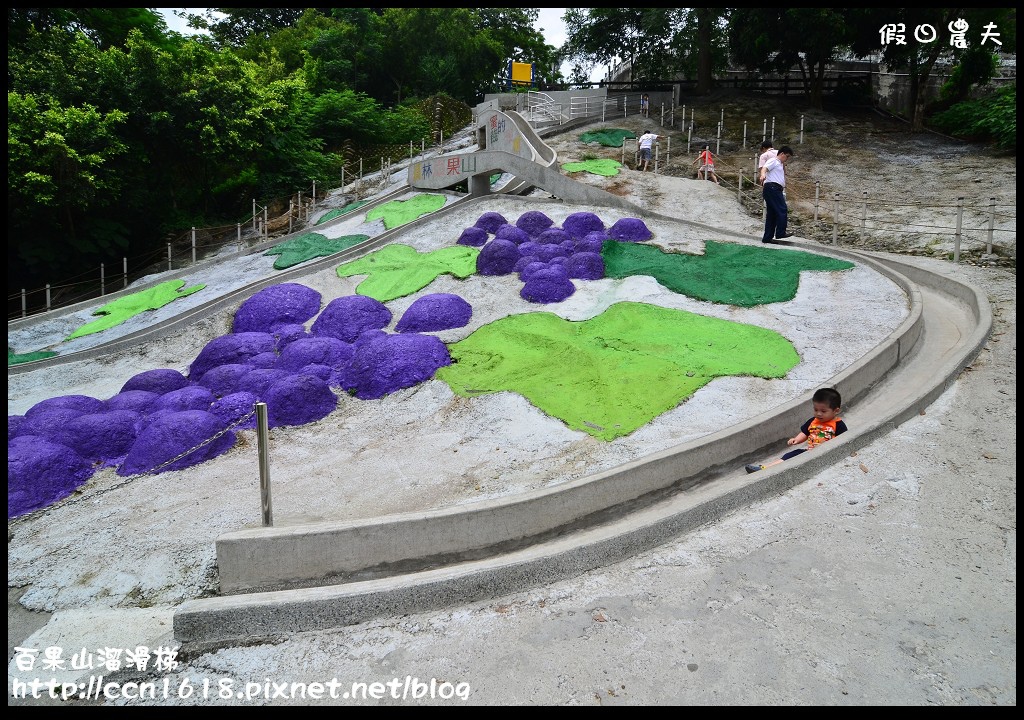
{"type": "Point", "coordinates": [602, 166]}
{"type": "Point", "coordinates": [311, 245]}
{"type": "Point", "coordinates": [338, 212]}
{"type": "Point", "coordinates": [398, 270]}
{"type": "Point", "coordinates": [614, 373]}
{"type": "Point", "coordinates": [129, 306]}
{"type": "Point", "coordinates": [611, 137]}
{"type": "Point", "coordinates": [14, 358]}
{"type": "Point", "coordinates": [727, 273]}
{"type": "Point", "coordinates": [399, 212]}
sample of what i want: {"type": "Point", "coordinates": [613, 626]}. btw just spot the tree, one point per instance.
{"type": "Point", "coordinates": [58, 174]}
{"type": "Point", "coordinates": [658, 43]}
{"type": "Point", "coordinates": [918, 54]}
{"type": "Point", "coordinates": [777, 39]}
{"type": "Point", "coordinates": [238, 25]}
{"type": "Point", "coordinates": [514, 32]}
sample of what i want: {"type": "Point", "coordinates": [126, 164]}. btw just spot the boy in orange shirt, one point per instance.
{"type": "Point", "coordinates": [824, 426]}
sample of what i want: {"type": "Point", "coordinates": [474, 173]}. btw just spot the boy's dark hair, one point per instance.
{"type": "Point", "coordinates": [786, 149]}
{"type": "Point", "coordinates": [766, 145]}
{"type": "Point", "coordinates": [827, 395]}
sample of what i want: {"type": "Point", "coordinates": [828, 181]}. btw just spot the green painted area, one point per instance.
{"type": "Point", "coordinates": [311, 245]}
{"type": "Point", "coordinates": [338, 212]}
{"type": "Point", "coordinates": [726, 273]}
{"type": "Point", "coordinates": [611, 137]}
{"type": "Point", "coordinates": [612, 374]}
{"type": "Point", "coordinates": [14, 358]}
{"type": "Point", "coordinates": [603, 166]}
{"type": "Point", "coordinates": [398, 270]}
{"type": "Point", "coordinates": [127, 307]}
{"type": "Point", "coordinates": [399, 212]}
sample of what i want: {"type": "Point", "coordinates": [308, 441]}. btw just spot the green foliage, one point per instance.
{"type": "Point", "coordinates": [977, 66]}
{"type": "Point", "coordinates": [992, 118]}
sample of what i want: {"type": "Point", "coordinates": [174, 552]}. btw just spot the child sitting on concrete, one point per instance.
{"type": "Point", "coordinates": [824, 426]}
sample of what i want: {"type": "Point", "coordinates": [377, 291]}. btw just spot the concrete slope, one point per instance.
{"type": "Point", "coordinates": [317, 554]}
{"type": "Point", "coordinates": [955, 321]}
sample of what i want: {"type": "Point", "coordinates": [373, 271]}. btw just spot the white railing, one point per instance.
{"type": "Point", "coordinates": [540, 107]}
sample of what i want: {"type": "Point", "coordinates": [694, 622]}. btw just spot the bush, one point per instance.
{"type": "Point", "coordinates": [989, 119]}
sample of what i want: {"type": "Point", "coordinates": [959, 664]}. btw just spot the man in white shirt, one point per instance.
{"type": "Point", "coordinates": [645, 142]}
{"type": "Point", "coordinates": [773, 184]}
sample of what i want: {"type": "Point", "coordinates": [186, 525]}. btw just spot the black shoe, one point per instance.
{"type": "Point", "coordinates": [753, 468]}
{"type": "Point", "coordinates": [768, 242]}
{"type": "Point", "coordinates": [783, 237]}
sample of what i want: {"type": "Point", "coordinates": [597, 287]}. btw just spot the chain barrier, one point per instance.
{"type": "Point", "coordinates": [66, 502]}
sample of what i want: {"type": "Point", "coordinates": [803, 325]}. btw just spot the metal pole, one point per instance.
{"type": "Point", "coordinates": [764, 129]}
{"type": "Point", "coordinates": [48, 296]}
{"type": "Point", "coordinates": [266, 225]}
{"type": "Point", "coordinates": [103, 282]}
{"type": "Point", "coordinates": [314, 198]}
{"type": "Point", "coordinates": [721, 120]}
{"type": "Point", "coordinates": [238, 227]}
{"type": "Point", "coordinates": [263, 443]}
{"type": "Point", "coordinates": [24, 304]}
{"type": "Point", "coordinates": [801, 129]}
{"type": "Point", "coordinates": [835, 219]}
{"type": "Point", "coordinates": [864, 216]}
{"type": "Point", "coordinates": [744, 134]}
{"type": "Point", "coordinates": [168, 256]}
{"type": "Point", "coordinates": [193, 244]}
{"type": "Point", "coordinates": [718, 142]}
{"type": "Point", "coordinates": [689, 133]}
{"type": "Point", "coordinates": [991, 224]}
{"type": "Point", "coordinates": [959, 226]}
{"type": "Point", "coordinates": [817, 192]}
{"type": "Point", "coordinates": [254, 213]}
{"type": "Point", "coordinates": [773, 128]}
{"type": "Point", "coordinates": [126, 272]}
{"type": "Point", "coordinates": [291, 209]}
{"type": "Point", "coordinates": [360, 170]}
{"type": "Point", "coordinates": [410, 149]}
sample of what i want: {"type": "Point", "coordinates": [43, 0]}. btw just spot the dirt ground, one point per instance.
{"type": "Point", "coordinates": [913, 182]}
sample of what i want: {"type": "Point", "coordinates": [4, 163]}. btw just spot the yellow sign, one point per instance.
{"type": "Point", "coordinates": [522, 73]}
